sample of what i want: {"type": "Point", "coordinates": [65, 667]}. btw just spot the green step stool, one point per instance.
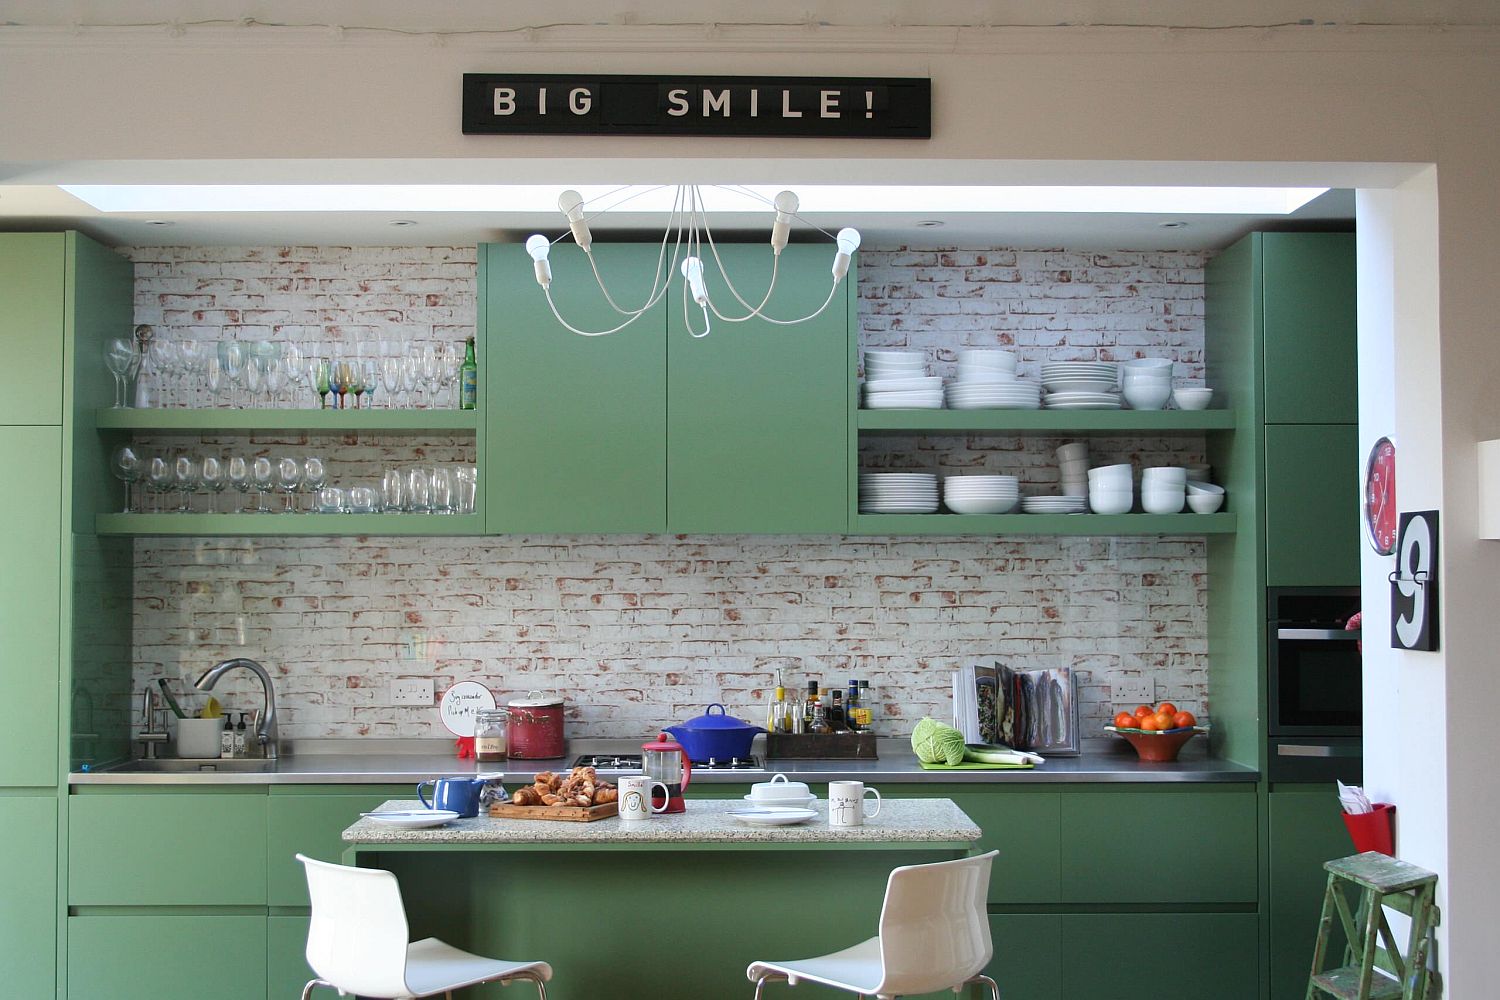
{"type": "Point", "coordinates": [1383, 881]}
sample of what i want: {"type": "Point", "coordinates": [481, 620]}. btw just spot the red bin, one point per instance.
{"type": "Point", "coordinates": [1373, 831]}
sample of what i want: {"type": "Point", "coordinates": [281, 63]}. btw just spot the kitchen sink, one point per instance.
{"type": "Point", "coordinates": [178, 766]}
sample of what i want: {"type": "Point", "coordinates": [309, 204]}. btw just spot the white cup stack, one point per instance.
{"type": "Point", "coordinates": [1164, 489]}
{"type": "Point", "coordinates": [1073, 465]}
{"type": "Point", "coordinates": [899, 380]}
{"type": "Point", "coordinates": [1111, 489]}
{"type": "Point", "coordinates": [981, 494]}
{"type": "Point", "coordinates": [1146, 382]}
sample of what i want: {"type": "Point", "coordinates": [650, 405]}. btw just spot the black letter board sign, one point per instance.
{"type": "Point", "coordinates": [781, 106]}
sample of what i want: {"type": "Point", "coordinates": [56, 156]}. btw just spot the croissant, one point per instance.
{"type": "Point", "coordinates": [553, 799]}
{"type": "Point", "coordinates": [527, 797]}
{"type": "Point", "coordinates": [603, 795]}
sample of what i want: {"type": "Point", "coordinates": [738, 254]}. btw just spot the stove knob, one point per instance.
{"type": "Point", "coordinates": [735, 762]}
{"type": "Point", "coordinates": [713, 762]}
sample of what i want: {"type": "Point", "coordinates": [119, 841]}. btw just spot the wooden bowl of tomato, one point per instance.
{"type": "Point", "coordinates": [1157, 734]}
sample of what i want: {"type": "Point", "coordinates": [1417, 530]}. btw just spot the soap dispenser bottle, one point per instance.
{"type": "Point", "coordinates": [239, 737]}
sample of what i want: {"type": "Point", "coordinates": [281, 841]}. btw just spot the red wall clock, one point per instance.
{"type": "Point", "coordinates": [1379, 499]}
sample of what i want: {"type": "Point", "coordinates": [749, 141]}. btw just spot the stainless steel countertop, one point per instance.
{"type": "Point", "coordinates": [384, 762]}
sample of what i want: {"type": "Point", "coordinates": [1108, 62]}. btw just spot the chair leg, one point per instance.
{"type": "Point", "coordinates": [987, 981]}
{"type": "Point", "coordinates": [307, 990]}
{"type": "Point", "coordinates": [760, 984]}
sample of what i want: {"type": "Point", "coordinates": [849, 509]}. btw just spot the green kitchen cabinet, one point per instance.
{"type": "Point", "coordinates": [1306, 829]}
{"type": "Point", "coordinates": [28, 894]}
{"type": "Point", "coordinates": [310, 820]}
{"type": "Point", "coordinates": [1309, 305]}
{"type": "Point", "coordinates": [1161, 956]}
{"type": "Point", "coordinates": [33, 287]}
{"type": "Point", "coordinates": [177, 956]}
{"type": "Point", "coordinates": [1192, 846]}
{"type": "Point", "coordinates": [577, 426]}
{"type": "Point", "coordinates": [1312, 505]}
{"type": "Point", "coordinates": [214, 842]}
{"type": "Point", "coordinates": [1023, 824]}
{"type": "Point", "coordinates": [286, 956]}
{"type": "Point", "coordinates": [1028, 962]}
{"type": "Point", "coordinates": [31, 604]}
{"type": "Point", "coordinates": [757, 435]}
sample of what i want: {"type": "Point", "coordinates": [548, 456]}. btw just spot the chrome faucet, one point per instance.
{"type": "Point", "coordinates": [265, 730]}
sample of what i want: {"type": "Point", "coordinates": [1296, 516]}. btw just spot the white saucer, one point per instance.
{"type": "Point", "coordinates": [773, 815]}
{"type": "Point", "coordinates": [413, 819]}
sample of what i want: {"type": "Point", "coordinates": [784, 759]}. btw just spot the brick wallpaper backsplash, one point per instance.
{"type": "Point", "coordinates": [638, 631]}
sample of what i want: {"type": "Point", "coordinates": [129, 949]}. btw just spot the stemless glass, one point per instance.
{"type": "Point", "coordinates": [238, 471]}
{"type": "Point", "coordinates": [159, 479]}
{"type": "Point", "coordinates": [288, 481]}
{"type": "Point", "coordinates": [185, 475]}
{"type": "Point", "coordinates": [314, 474]}
{"type": "Point", "coordinates": [263, 479]}
{"type": "Point", "coordinates": [120, 358]}
{"type": "Point", "coordinates": [418, 490]}
{"type": "Point", "coordinates": [393, 491]}
{"type": "Point", "coordinates": [440, 498]}
{"type": "Point", "coordinates": [465, 489]}
{"type": "Point", "coordinates": [126, 465]}
{"type": "Point", "coordinates": [212, 473]}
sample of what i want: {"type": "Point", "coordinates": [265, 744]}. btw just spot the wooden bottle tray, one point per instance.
{"type": "Point", "coordinates": [565, 814]}
{"type": "Point", "coordinates": [821, 746]}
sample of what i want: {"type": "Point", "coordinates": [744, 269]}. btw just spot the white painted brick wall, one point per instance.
{"type": "Point", "coordinates": [638, 631]}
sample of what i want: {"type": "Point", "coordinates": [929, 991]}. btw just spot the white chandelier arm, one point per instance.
{"type": "Point", "coordinates": [586, 333]}
{"type": "Point", "coordinates": [790, 322]}
{"type": "Point", "coordinates": [658, 286]}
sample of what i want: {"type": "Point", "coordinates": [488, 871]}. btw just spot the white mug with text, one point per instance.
{"type": "Point", "coordinates": [636, 794]}
{"type": "Point", "coordinates": [846, 803]}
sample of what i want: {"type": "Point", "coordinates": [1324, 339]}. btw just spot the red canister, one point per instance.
{"type": "Point", "coordinates": [535, 727]}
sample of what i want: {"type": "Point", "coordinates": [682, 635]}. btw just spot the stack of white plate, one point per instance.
{"type": "Point", "coordinates": [923, 392]}
{"type": "Point", "coordinates": [883, 366]}
{"type": "Point", "coordinates": [980, 494]}
{"type": "Point", "coordinates": [1081, 385]}
{"type": "Point", "coordinates": [1054, 505]}
{"type": "Point", "coordinates": [1017, 395]}
{"type": "Point", "coordinates": [898, 493]}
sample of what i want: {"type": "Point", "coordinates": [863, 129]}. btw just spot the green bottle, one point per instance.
{"type": "Point", "coordinates": [468, 379]}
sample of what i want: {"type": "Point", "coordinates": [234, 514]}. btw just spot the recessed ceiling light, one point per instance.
{"type": "Point", "coordinates": [403, 222]}
{"type": "Point", "coordinates": [1176, 224]}
{"type": "Point", "coordinates": [160, 222]}
{"type": "Point", "coordinates": [930, 224]}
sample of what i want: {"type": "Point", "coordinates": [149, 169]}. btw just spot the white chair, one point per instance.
{"type": "Point", "coordinates": [358, 942]}
{"type": "Point", "coordinates": [934, 935]}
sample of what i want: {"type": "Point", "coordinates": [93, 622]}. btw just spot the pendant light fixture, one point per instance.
{"type": "Point", "coordinates": [687, 234]}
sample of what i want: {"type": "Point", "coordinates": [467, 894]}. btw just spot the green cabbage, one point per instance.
{"type": "Point", "coordinates": [935, 743]}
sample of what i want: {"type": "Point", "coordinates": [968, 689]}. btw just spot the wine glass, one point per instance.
{"type": "Point", "coordinates": [314, 474]}
{"type": "Point", "coordinates": [288, 481]}
{"type": "Point", "coordinates": [273, 379]}
{"type": "Point", "coordinates": [317, 377]}
{"type": "Point", "coordinates": [355, 380]}
{"type": "Point", "coordinates": [238, 471]}
{"type": "Point", "coordinates": [370, 376]}
{"type": "Point", "coordinates": [126, 465]}
{"type": "Point", "coordinates": [339, 381]}
{"type": "Point", "coordinates": [190, 354]}
{"type": "Point", "coordinates": [185, 480]}
{"type": "Point", "coordinates": [263, 479]}
{"type": "Point", "coordinates": [390, 377]}
{"type": "Point", "coordinates": [450, 363]}
{"type": "Point", "coordinates": [212, 473]}
{"type": "Point", "coordinates": [162, 356]}
{"type": "Point", "coordinates": [120, 358]}
{"type": "Point", "coordinates": [411, 377]}
{"type": "Point", "coordinates": [232, 358]}
{"type": "Point", "coordinates": [214, 378]}
{"type": "Point", "coordinates": [431, 373]}
{"type": "Point", "coordinates": [159, 478]}
{"type": "Point", "coordinates": [255, 378]}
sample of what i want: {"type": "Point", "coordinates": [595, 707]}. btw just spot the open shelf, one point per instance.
{"type": "Point", "coordinates": [1045, 421]}
{"type": "Point", "coordinates": [187, 421]}
{"type": "Point", "coordinates": [289, 524]}
{"type": "Point", "coordinates": [1043, 524]}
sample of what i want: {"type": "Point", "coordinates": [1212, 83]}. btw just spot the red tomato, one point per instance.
{"type": "Point", "coordinates": [1141, 711]}
{"type": "Point", "coordinates": [1166, 707]}
{"type": "Point", "coordinates": [1125, 721]}
{"type": "Point", "coordinates": [1182, 719]}
{"type": "Point", "coordinates": [1148, 723]}
{"type": "Point", "coordinates": [1162, 720]}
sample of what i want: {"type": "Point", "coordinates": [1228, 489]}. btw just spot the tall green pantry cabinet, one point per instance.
{"type": "Point", "coordinates": [55, 289]}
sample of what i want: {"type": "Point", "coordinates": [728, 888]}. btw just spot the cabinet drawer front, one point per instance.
{"type": "Point", "coordinates": [1161, 956]}
{"type": "Point", "coordinates": [312, 824]}
{"type": "Point", "coordinates": [1028, 958]}
{"type": "Point", "coordinates": [149, 957]}
{"type": "Point", "coordinates": [157, 849]}
{"type": "Point", "coordinates": [576, 435]}
{"type": "Point", "coordinates": [1159, 847]}
{"type": "Point", "coordinates": [28, 894]}
{"type": "Point", "coordinates": [1312, 505]}
{"type": "Point", "coordinates": [286, 957]}
{"type": "Point", "coordinates": [1021, 824]}
{"type": "Point", "coordinates": [1305, 830]}
{"type": "Point", "coordinates": [1310, 342]}
{"type": "Point", "coordinates": [32, 286]}
{"type": "Point", "coordinates": [30, 604]}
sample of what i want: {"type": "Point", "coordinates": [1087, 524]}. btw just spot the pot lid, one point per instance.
{"type": "Point", "coordinates": [535, 699]}
{"type": "Point", "coordinates": [780, 787]}
{"type": "Point", "coordinates": [718, 722]}
{"type": "Point", "coordinates": [664, 744]}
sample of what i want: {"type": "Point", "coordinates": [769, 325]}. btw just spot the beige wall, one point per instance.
{"type": "Point", "coordinates": [1336, 96]}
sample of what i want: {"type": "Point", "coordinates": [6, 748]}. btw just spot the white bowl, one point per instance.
{"type": "Point", "coordinates": [1205, 503]}
{"type": "Point", "coordinates": [1146, 364]}
{"type": "Point", "coordinates": [1147, 397]}
{"type": "Point", "coordinates": [984, 376]}
{"type": "Point", "coordinates": [1111, 502]}
{"type": "Point", "coordinates": [1164, 474]}
{"type": "Point", "coordinates": [989, 359]}
{"type": "Point", "coordinates": [1192, 399]}
{"type": "Point", "coordinates": [1194, 486]}
{"type": "Point", "coordinates": [1073, 451]}
{"type": "Point", "coordinates": [1122, 469]}
{"type": "Point", "coordinates": [1162, 501]}
{"type": "Point", "coordinates": [977, 505]}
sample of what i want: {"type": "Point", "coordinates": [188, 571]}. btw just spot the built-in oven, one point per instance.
{"type": "Point", "coordinates": [1315, 684]}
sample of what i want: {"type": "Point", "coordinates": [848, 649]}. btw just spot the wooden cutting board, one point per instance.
{"type": "Point", "coordinates": [565, 814]}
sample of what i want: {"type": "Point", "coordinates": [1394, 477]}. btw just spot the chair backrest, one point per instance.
{"type": "Point", "coordinates": [934, 927]}
{"type": "Point", "coordinates": [358, 936]}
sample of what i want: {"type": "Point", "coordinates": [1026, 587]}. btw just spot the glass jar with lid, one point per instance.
{"type": "Point", "coordinates": [490, 734]}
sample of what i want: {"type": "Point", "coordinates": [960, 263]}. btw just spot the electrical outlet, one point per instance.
{"type": "Point", "coordinates": [412, 691]}
{"type": "Point", "coordinates": [1140, 689]}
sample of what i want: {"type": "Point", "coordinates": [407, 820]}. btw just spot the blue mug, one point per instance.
{"type": "Point", "coordinates": [460, 795]}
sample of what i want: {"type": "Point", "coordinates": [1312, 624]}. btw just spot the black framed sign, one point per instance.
{"type": "Point", "coordinates": [1414, 583]}
{"type": "Point", "coordinates": [772, 106]}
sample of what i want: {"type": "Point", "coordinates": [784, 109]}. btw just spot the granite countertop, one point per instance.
{"type": "Point", "coordinates": [375, 762]}
{"type": "Point", "coordinates": [706, 821]}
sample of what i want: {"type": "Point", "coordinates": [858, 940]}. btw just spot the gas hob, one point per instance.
{"type": "Point", "coordinates": [630, 763]}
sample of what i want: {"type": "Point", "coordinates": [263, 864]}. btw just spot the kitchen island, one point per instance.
{"type": "Point", "coordinates": [674, 907]}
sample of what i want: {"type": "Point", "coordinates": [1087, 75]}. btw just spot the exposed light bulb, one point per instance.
{"type": "Point", "coordinates": [538, 246]}
{"type": "Point", "coordinates": [848, 242]}
{"type": "Point", "coordinates": [570, 203]}
{"type": "Point", "coordinates": [692, 270]}
{"type": "Point", "coordinates": [786, 206]}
